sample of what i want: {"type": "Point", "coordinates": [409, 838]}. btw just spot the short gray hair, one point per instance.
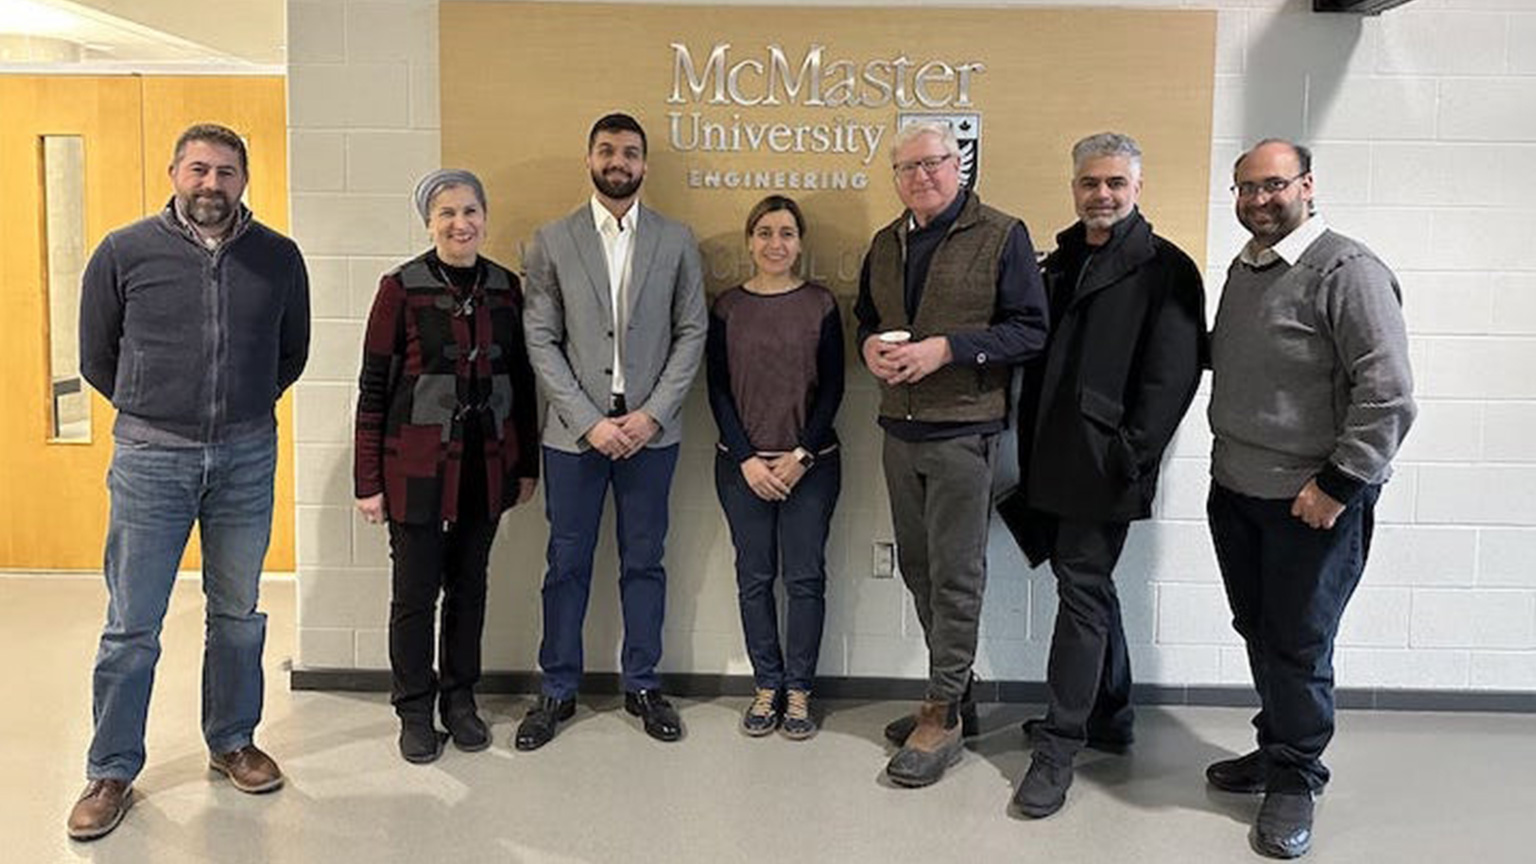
{"type": "Point", "coordinates": [428, 187]}
{"type": "Point", "coordinates": [938, 128]}
{"type": "Point", "coordinates": [1107, 144]}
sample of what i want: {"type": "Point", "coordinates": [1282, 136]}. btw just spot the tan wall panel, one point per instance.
{"type": "Point", "coordinates": [522, 83]}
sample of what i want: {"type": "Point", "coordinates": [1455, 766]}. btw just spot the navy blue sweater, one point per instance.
{"type": "Point", "coordinates": [193, 345]}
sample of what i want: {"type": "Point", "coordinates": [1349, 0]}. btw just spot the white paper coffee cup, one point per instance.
{"type": "Point", "coordinates": [896, 337]}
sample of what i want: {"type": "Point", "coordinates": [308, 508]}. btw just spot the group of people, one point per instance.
{"type": "Point", "coordinates": [1310, 398]}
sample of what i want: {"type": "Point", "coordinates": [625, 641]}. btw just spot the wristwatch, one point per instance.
{"type": "Point", "coordinates": [804, 457]}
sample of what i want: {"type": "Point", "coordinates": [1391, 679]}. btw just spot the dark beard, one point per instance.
{"type": "Point", "coordinates": [617, 191]}
{"type": "Point", "coordinates": [209, 210]}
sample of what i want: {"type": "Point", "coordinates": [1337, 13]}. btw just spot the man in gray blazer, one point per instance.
{"type": "Point", "coordinates": [615, 322]}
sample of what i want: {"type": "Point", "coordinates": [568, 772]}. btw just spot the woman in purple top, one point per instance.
{"type": "Point", "coordinates": [775, 365]}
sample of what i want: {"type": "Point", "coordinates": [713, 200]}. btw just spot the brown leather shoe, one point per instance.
{"type": "Point", "coordinates": [100, 808]}
{"type": "Point", "coordinates": [249, 769]}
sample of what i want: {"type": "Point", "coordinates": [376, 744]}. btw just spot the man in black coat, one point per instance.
{"type": "Point", "coordinates": [1127, 339]}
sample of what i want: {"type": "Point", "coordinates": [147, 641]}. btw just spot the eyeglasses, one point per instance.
{"type": "Point", "coordinates": [1269, 185]}
{"type": "Point", "coordinates": [929, 164]}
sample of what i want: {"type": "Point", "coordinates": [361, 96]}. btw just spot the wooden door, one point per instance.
{"type": "Point", "coordinates": [53, 500]}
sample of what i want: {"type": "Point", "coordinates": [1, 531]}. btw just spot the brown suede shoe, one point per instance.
{"type": "Point", "coordinates": [249, 769]}
{"type": "Point", "coordinates": [932, 747]}
{"type": "Point", "coordinates": [100, 808]}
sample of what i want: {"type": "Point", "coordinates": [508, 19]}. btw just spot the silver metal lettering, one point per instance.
{"type": "Point", "coordinates": [872, 134]}
{"type": "Point", "coordinates": [899, 68]}
{"type": "Point", "coordinates": [882, 86]}
{"type": "Point", "coordinates": [963, 85]}
{"type": "Point", "coordinates": [809, 77]}
{"type": "Point", "coordinates": [932, 72]}
{"type": "Point", "coordinates": [675, 124]}
{"type": "Point", "coordinates": [733, 82]}
{"type": "Point", "coordinates": [682, 67]}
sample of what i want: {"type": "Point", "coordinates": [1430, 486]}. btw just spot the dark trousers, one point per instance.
{"type": "Point", "coordinates": [941, 507]}
{"type": "Point", "coordinates": [1287, 585]}
{"type": "Point", "coordinates": [766, 533]}
{"type": "Point", "coordinates": [1089, 672]}
{"type": "Point", "coordinates": [575, 487]}
{"type": "Point", "coordinates": [429, 559]}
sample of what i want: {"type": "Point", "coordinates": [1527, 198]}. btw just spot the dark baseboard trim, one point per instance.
{"type": "Point", "coordinates": [908, 689]}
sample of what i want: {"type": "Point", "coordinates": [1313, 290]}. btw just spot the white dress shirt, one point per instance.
{"type": "Point", "coordinates": [619, 252]}
{"type": "Point", "coordinates": [1289, 248]}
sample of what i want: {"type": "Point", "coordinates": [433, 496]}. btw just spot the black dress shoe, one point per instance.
{"type": "Point", "coordinates": [1284, 826]}
{"type": "Point", "coordinates": [420, 742]}
{"type": "Point", "coordinates": [661, 720]}
{"type": "Point", "coordinates": [1245, 775]}
{"type": "Point", "coordinates": [539, 724]}
{"type": "Point", "coordinates": [1119, 745]}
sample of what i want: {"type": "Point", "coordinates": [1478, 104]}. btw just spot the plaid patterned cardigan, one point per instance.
{"type": "Point", "coordinates": [416, 391]}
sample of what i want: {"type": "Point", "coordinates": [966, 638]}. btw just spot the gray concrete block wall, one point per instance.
{"type": "Point", "coordinates": [1424, 125]}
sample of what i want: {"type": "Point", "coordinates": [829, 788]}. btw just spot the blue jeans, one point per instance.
{"type": "Point", "coordinates": [766, 533]}
{"type": "Point", "coordinates": [157, 493]}
{"type": "Point", "coordinates": [575, 486]}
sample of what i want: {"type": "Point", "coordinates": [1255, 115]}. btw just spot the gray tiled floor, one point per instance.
{"type": "Point", "coordinates": [1408, 788]}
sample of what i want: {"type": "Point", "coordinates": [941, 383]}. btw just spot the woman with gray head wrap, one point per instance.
{"type": "Point", "coordinates": [445, 442]}
{"type": "Point", "coordinates": [428, 187]}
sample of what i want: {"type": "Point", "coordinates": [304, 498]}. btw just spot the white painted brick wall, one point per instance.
{"type": "Point", "coordinates": [1423, 122]}
{"type": "Point", "coordinates": [1473, 619]}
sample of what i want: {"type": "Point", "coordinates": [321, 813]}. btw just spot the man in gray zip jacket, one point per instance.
{"type": "Point", "coordinates": [1311, 395]}
{"type": "Point", "coordinates": [193, 322]}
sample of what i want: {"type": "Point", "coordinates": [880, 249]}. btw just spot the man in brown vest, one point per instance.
{"type": "Point", "coordinates": [950, 299]}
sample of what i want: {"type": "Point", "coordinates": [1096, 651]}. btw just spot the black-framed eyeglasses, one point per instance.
{"type": "Point", "coordinates": [1269, 185]}
{"type": "Point", "coordinates": [929, 165]}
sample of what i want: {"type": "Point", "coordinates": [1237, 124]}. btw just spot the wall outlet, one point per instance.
{"type": "Point", "coordinates": [885, 559]}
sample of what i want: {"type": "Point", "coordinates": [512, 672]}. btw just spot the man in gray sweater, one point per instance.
{"type": "Point", "coordinates": [1311, 396]}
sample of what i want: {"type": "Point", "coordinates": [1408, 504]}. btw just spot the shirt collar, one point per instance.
{"type": "Point", "coordinates": [241, 214]}
{"type": "Point", "coordinates": [1290, 247]}
{"type": "Point", "coordinates": [602, 218]}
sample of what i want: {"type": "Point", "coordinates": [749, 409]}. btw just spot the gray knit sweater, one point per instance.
{"type": "Point", "coordinates": [1310, 373]}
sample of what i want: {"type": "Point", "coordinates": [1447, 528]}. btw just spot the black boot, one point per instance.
{"type": "Point", "coordinates": [1044, 787]}
{"type": "Point", "coordinates": [420, 742]}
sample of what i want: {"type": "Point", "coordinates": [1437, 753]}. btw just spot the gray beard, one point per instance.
{"type": "Point", "coordinates": [207, 211]}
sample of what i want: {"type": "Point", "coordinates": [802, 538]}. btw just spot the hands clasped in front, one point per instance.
{"type": "Point", "coordinates": [622, 437]}
{"type": "Point", "coordinates": [772, 478]}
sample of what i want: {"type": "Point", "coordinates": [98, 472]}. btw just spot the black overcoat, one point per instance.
{"type": "Point", "coordinates": [1097, 410]}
